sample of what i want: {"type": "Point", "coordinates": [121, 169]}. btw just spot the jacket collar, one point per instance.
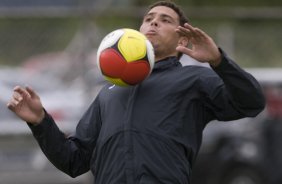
{"type": "Point", "coordinates": [166, 63]}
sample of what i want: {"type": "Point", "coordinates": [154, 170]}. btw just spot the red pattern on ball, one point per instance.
{"type": "Point", "coordinates": [113, 65]}
{"type": "Point", "coordinates": [135, 72]}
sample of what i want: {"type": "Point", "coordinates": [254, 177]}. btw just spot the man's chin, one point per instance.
{"type": "Point", "coordinates": [151, 39]}
{"type": "Point", "coordinates": [154, 43]}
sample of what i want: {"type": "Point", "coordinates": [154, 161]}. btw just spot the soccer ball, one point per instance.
{"type": "Point", "coordinates": [125, 57]}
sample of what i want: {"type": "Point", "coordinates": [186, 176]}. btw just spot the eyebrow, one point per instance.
{"type": "Point", "coordinates": [161, 15]}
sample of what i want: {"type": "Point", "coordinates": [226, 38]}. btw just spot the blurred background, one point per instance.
{"type": "Point", "coordinates": [51, 46]}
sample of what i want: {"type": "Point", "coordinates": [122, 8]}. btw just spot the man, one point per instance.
{"type": "Point", "coordinates": [149, 133]}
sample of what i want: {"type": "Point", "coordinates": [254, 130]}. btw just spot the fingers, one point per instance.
{"type": "Point", "coordinates": [19, 95]}
{"type": "Point", "coordinates": [31, 92]}
{"type": "Point", "coordinates": [22, 91]}
{"type": "Point", "coordinates": [184, 50]}
{"type": "Point", "coordinates": [191, 32]}
{"type": "Point", "coordinates": [13, 103]}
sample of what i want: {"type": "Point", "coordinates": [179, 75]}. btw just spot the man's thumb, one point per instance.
{"type": "Point", "coordinates": [31, 92]}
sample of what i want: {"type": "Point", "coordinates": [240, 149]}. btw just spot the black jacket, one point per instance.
{"type": "Point", "coordinates": [151, 133]}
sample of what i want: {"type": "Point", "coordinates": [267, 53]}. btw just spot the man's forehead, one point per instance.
{"type": "Point", "coordinates": [164, 11]}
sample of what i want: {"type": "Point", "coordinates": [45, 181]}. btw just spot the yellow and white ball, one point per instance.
{"type": "Point", "coordinates": [125, 57]}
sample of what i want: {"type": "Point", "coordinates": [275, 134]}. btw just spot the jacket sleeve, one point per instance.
{"type": "Point", "coordinates": [70, 154]}
{"type": "Point", "coordinates": [234, 94]}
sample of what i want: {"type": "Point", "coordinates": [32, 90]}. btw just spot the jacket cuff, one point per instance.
{"type": "Point", "coordinates": [39, 129]}
{"type": "Point", "coordinates": [223, 63]}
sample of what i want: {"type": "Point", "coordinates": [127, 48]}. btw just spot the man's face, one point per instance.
{"type": "Point", "coordinates": [159, 26]}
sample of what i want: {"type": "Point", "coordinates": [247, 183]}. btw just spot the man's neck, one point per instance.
{"type": "Point", "coordinates": [159, 58]}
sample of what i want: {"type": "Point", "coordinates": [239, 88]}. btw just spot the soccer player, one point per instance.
{"type": "Point", "coordinates": [149, 133]}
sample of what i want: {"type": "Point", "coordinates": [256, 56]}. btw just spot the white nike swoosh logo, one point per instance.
{"type": "Point", "coordinates": [111, 87]}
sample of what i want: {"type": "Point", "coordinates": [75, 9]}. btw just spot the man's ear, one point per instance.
{"type": "Point", "coordinates": [183, 41]}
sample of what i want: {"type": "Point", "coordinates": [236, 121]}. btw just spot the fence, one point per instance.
{"type": "Point", "coordinates": [252, 36]}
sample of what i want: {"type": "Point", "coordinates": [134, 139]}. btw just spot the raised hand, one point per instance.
{"type": "Point", "coordinates": [26, 104]}
{"type": "Point", "coordinates": [203, 48]}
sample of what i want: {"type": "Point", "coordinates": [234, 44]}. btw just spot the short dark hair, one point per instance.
{"type": "Point", "coordinates": [182, 18]}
